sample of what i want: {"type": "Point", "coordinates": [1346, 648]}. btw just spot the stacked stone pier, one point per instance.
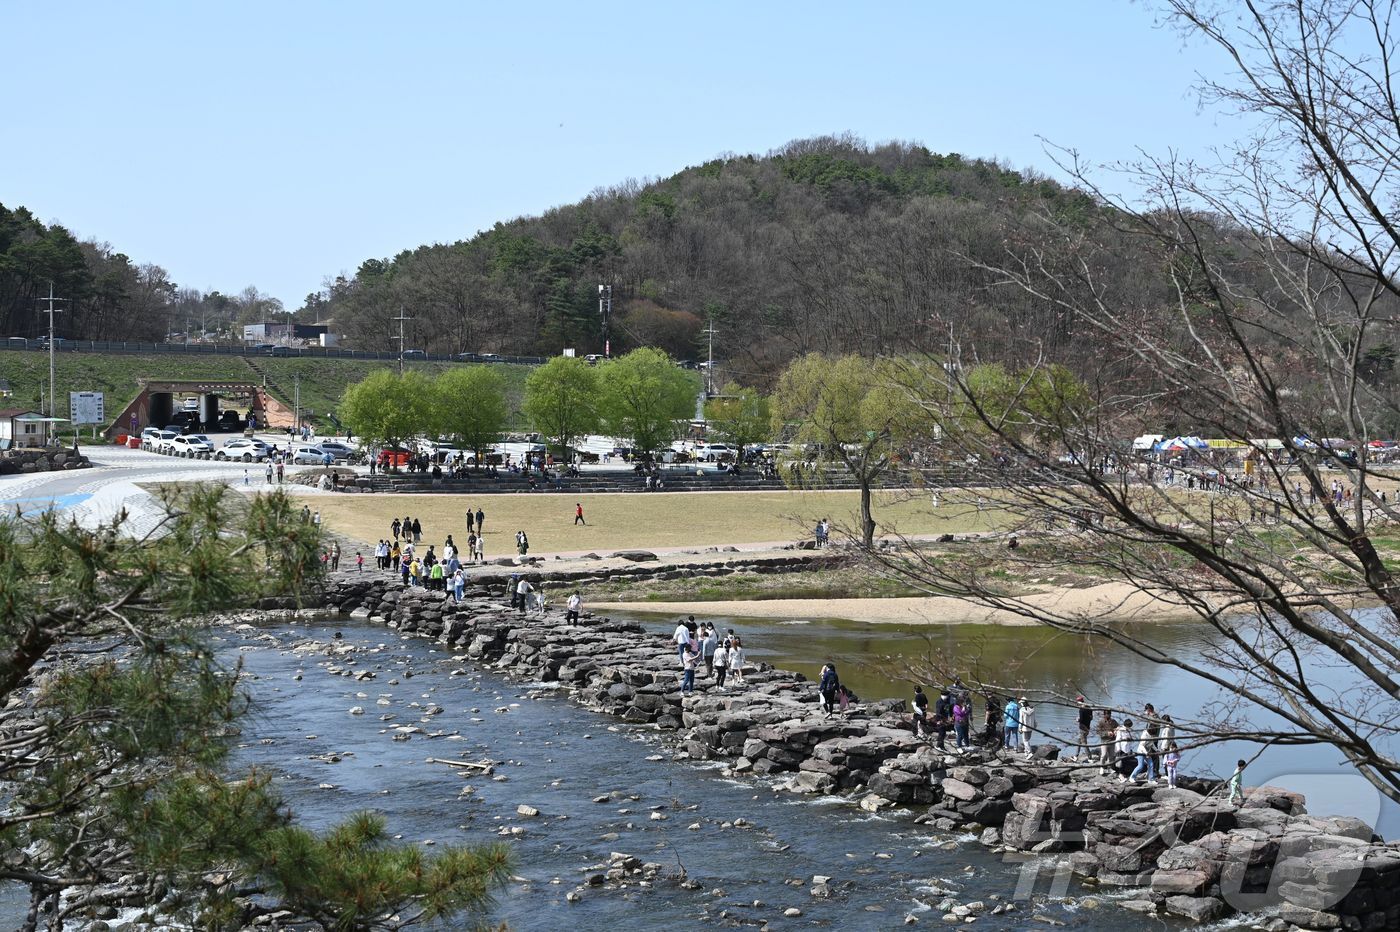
{"type": "Point", "coordinates": [1185, 852]}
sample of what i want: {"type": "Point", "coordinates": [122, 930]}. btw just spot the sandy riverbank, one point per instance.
{"type": "Point", "coordinates": [1116, 600]}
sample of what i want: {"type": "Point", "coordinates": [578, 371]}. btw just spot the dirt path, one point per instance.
{"type": "Point", "coordinates": [1117, 599]}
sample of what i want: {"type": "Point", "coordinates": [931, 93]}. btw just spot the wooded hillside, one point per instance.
{"type": "Point", "coordinates": [825, 244]}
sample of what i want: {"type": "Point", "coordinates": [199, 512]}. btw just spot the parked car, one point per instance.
{"type": "Point", "coordinates": [285, 351]}
{"type": "Point", "coordinates": [154, 438]}
{"type": "Point", "coordinates": [312, 456]}
{"type": "Point", "coordinates": [245, 449]}
{"type": "Point", "coordinates": [593, 359]}
{"type": "Point", "coordinates": [229, 420]}
{"type": "Point", "coordinates": [716, 453]}
{"type": "Point", "coordinates": [468, 357]}
{"type": "Point", "coordinates": [17, 343]}
{"type": "Point", "coordinates": [341, 451]}
{"type": "Point", "coordinates": [491, 357]}
{"type": "Point", "coordinates": [414, 354]}
{"type": "Point", "coordinates": [184, 445]}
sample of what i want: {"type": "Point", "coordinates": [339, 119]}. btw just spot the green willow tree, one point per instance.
{"type": "Point", "coordinates": [470, 407]}
{"type": "Point", "coordinates": [388, 409]}
{"type": "Point", "coordinates": [646, 399]}
{"type": "Point", "coordinates": [739, 416]}
{"type": "Point", "coordinates": [846, 414]}
{"type": "Point", "coordinates": [117, 717]}
{"type": "Point", "coordinates": [561, 400]}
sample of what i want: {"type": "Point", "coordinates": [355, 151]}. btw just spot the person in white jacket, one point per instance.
{"type": "Point", "coordinates": [1146, 747]}
{"type": "Point", "coordinates": [1027, 722]}
{"type": "Point", "coordinates": [1123, 745]}
{"type": "Point", "coordinates": [736, 661]}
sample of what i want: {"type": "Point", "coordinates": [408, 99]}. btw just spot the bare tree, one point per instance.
{"type": "Point", "coordinates": [1278, 261]}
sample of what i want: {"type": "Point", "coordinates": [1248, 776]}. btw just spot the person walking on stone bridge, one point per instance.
{"type": "Point", "coordinates": [827, 686]}
{"type": "Point", "coordinates": [721, 663]}
{"type": "Point", "coordinates": [1027, 725]}
{"type": "Point", "coordinates": [736, 660]}
{"type": "Point", "coordinates": [1012, 723]}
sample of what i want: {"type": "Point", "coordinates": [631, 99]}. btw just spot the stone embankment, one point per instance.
{"type": "Point", "coordinates": [1182, 851]}
{"type": "Point", "coordinates": [45, 459]}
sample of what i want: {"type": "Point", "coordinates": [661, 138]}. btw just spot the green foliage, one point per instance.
{"type": "Point", "coordinates": [791, 243]}
{"type": "Point", "coordinates": [561, 400]}
{"type": "Point", "coordinates": [119, 718]}
{"type": "Point", "coordinates": [844, 410]}
{"type": "Point", "coordinates": [1040, 402]}
{"type": "Point", "coordinates": [739, 416]}
{"type": "Point", "coordinates": [470, 406]}
{"type": "Point", "coordinates": [646, 399]}
{"type": "Point", "coordinates": [352, 877]}
{"type": "Point", "coordinates": [387, 408]}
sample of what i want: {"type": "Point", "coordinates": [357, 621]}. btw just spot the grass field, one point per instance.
{"type": "Point", "coordinates": [623, 520]}
{"type": "Point", "coordinates": [322, 380]}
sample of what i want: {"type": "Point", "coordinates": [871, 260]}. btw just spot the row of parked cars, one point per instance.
{"type": "Point", "coordinates": [241, 449]}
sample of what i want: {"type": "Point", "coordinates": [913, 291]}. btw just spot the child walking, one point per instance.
{"type": "Point", "coordinates": [1172, 759]}
{"type": "Point", "coordinates": [1237, 783]}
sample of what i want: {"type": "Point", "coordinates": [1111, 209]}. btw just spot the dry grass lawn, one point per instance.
{"type": "Point", "coordinates": [645, 520]}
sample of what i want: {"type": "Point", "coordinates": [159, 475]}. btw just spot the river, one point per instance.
{"type": "Point", "coordinates": [559, 758]}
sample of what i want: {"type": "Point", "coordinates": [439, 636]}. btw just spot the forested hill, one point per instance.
{"type": "Point", "coordinates": [105, 295]}
{"type": "Point", "coordinates": [825, 244]}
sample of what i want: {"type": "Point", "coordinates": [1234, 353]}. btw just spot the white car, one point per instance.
{"type": "Point", "coordinates": [244, 449]}
{"type": "Point", "coordinates": [186, 445]}
{"type": "Point", "coordinates": [716, 453]}
{"type": "Point", "coordinates": [153, 438]}
{"type": "Point", "coordinates": [312, 456]}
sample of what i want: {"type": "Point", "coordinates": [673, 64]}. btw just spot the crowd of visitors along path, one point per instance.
{"type": "Point", "coordinates": [1150, 752]}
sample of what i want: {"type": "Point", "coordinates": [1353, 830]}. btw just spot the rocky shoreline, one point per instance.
{"type": "Point", "coordinates": [1183, 852]}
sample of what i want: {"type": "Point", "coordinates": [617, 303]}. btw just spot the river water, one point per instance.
{"type": "Point", "coordinates": [559, 758]}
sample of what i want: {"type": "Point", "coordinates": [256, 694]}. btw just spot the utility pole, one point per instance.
{"type": "Point", "coordinates": [53, 399]}
{"type": "Point", "coordinates": [296, 398]}
{"type": "Point", "coordinates": [401, 318]}
{"type": "Point", "coordinates": [605, 311]}
{"type": "Point", "coordinates": [709, 331]}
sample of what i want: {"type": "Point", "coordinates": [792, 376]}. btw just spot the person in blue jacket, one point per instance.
{"type": "Point", "coordinates": [1011, 722]}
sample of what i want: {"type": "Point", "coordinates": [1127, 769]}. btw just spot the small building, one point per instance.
{"type": "Point", "coordinates": [20, 428]}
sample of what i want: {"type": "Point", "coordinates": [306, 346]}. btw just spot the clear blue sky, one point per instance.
{"type": "Point", "coordinates": [277, 143]}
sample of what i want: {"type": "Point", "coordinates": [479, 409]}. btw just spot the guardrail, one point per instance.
{"type": "Point", "coordinates": [238, 349]}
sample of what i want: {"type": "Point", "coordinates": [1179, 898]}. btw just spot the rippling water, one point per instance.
{"type": "Point", "coordinates": [558, 758]}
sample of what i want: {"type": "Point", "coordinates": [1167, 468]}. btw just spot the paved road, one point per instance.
{"type": "Point", "coordinates": [95, 495]}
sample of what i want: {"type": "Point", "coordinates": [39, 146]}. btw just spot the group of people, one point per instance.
{"type": "Point", "coordinates": [1148, 750]}
{"type": "Point", "coordinates": [701, 644]}
{"type": "Point", "coordinates": [526, 596]}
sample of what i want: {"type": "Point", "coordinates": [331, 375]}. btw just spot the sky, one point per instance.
{"type": "Point", "coordinates": [277, 144]}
